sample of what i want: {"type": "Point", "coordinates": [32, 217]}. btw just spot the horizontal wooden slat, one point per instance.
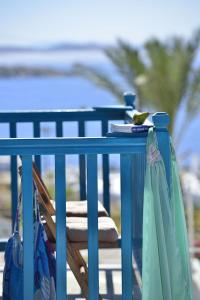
{"type": "Point", "coordinates": [64, 115]}
{"type": "Point", "coordinates": [99, 145]}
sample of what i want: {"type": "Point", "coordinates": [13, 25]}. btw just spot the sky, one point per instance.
{"type": "Point", "coordinates": [103, 21]}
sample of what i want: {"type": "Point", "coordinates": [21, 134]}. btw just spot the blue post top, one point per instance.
{"type": "Point", "coordinates": [161, 121]}
{"type": "Point", "coordinates": [129, 99]}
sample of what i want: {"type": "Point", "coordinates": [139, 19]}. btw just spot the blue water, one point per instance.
{"type": "Point", "coordinates": [50, 93]}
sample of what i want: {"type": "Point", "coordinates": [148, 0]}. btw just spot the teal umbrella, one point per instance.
{"type": "Point", "coordinates": [166, 270]}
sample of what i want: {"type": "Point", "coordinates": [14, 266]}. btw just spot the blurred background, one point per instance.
{"type": "Point", "coordinates": [75, 54]}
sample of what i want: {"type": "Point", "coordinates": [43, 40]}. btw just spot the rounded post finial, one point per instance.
{"type": "Point", "coordinates": [129, 99]}
{"type": "Point", "coordinates": [161, 119]}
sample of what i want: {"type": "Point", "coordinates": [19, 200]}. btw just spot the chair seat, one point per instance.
{"type": "Point", "coordinates": [79, 209]}
{"type": "Point", "coordinates": [77, 230]}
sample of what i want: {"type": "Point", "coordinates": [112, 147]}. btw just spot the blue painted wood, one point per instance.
{"type": "Point", "coordinates": [126, 224]}
{"type": "Point", "coordinates": [106, 180]}
{"type": "Point", "coordinates": [36, 134]}
{"type": "Point", "coordinates": [161, 122]}
{"type": "Point", "coordinates": [129, 99]}
{"type": "Point", "coordinates": [131, 209]}
{"type": "Point", "coordinates": [59, 128]}
{"type": "Point", "coordinates": [3, 243]}
{"type": "Point", "coordinates": [101, 145]}
{"type": "Point", "coordinates": [28, 236]}
{"type": "Point", "coordinates": [64, 115]}
{"type": "Point", "coordinates": [82, 165]}
{"type": "Point", "coordinates": [139, 166]}
{"type": "Point", "coordinates": [14, 179]}
{"type": "Point", "coordinates": [92, 196]}
{"type": "Point", "coordinates": [60, 196]}
{"type": "Point", "coordinates": [36, 117]}
{"type": "Point", "coordinates": [111, 108]}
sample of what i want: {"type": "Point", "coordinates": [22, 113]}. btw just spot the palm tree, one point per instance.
{"type": "Point", "coordinates": [163, 74]}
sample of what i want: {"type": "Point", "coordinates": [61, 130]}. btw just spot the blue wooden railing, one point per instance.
{"type": "Point", "coordinates": [81, 116]}
{"type": "Point", "coordinates": [131, 149]}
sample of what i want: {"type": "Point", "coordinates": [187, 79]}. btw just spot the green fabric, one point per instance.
{"type": "Point", "coordinates": [179, 222]}
{"type": "Point", "coordinates": [166, 271]}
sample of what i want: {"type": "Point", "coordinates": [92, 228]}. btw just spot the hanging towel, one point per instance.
{"type": "Point", "coordinates": [44, 263]}
{"type": "Point", "coordinates": [166, 271]}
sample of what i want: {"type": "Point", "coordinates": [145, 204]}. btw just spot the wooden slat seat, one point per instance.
{"type": "Point", "coordinates": [77, 230]}
{"type": "Point", "coordinates": [79, 209]}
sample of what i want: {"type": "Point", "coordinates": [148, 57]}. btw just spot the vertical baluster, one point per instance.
{"type": "Point", "coordinates": [106, 183]}
{"type": "Point", "coordinates": [28, 232]}
{"type": "Point", "coordinates": [36, 134]}
{"type": "Point", "coordinates": [126, 224]}
{"type": "Point", "coordinates": [60, 196]}
{"type": "Point", "coordinates": [139, 163]}
{"type": "Point", "coordinates": [59, 128]}
{"type": "Point", "coordinates": [82, 170]}
{"type": "Point", "coordinates": [14, 179]}
{"type": "Point", "coordinates": [92, 196]}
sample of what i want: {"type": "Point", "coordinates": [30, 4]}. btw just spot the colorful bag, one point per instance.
{"type": "Point", "coordinates": [44, 263]}
{"type": "Point", "coordinates": [166, 270]}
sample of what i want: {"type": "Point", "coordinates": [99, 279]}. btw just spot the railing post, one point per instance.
{"type": "Point", "coordinates": [59, 129]}
{"type": "Point", "coordinates": [60, 195]}
{"type": "Point", "coordinates": [92, 196]}
{"type": "Point", "coordinates": [14, 179]}
{"type": "Point", "coordinates": [139, 166]}
{"type": "Point", "coordinates": [36, 134]}
{"type": "Point", "coordinates": [129, 99]}
{"type": "Point", "coordinates": [28, 232]}
{"type": "Point", "coordinates": [126, 224]}
{"type": "Point", "coordinates": [106, 180]}
{"type": "Point", "coordinates": [82, 165]}
{"type": "Point", "coordinates": [161, 122]}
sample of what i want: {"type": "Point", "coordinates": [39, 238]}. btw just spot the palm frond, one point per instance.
{"type": "Point", "coordinates": [193, 102]}
{"type": "Point", "coordinates": [127, 60]}
{"type": "Point", "coordinates": [161, 73]}
{"type": "Point", "coordinates": [194, 43]}
{"type": "Point", "coordinates": [170, 65]}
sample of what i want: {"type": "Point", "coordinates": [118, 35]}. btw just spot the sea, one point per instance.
{"type": "Point", "coordinates": [44, 93]}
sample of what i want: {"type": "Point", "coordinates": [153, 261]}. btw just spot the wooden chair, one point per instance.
{"type": "Point", "coordinates": [76, 234]}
